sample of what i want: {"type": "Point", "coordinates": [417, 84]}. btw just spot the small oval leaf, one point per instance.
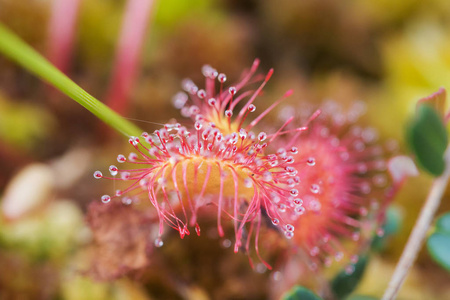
{"type": "Point", "coordinates": [300, 293]}
{"type": "Point", "coordinates": [438, 245]}
{"type": "Point", "coordinates": [428, 140]}
{"type": "Point", "coordinates": [443, 223]}
{"type": "Point", "coordinates": [343, 284]}
{"type": "Point", "coordinates": [391, 226]}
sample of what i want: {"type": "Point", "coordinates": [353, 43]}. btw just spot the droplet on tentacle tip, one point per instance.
{"type": "Point", "coordinates": [106, 198]}
{"type": "Point", "coordinates": [159, 242]}
{"type": "Point", "coordinates": [98, 175]}
{"type": "Point", "coordinates": [113, 170]}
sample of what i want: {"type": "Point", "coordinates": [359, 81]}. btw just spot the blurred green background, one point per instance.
{"type": "Point", "coordinates": [386, 53]}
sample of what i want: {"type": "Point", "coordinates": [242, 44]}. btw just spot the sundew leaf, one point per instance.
{"type": "Point", "coordinates": [428, 140]}
{"type": "Point", "coordinates": [438, 243]}
{"type": "Point", "coordinates": [345, 282]}
{"type": "Point", "coordinates": [300, 293]}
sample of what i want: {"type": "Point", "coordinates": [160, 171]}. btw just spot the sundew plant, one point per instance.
{"type": "Point", "coordinates": [236, 184]}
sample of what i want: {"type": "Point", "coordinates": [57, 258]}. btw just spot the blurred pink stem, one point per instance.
{"type": "Point", "coordinates": [419, 232]}
{"type": "Point", "coordinates": [128, 49]}
{"type": "Point", "coordinates": [62, 23]}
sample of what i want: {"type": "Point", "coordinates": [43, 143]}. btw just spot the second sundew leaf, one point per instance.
{"type": "Point", "coordinates": [428, 140]}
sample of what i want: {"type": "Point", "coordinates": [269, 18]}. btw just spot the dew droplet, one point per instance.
{"type": "Point", "coordinates": [226, 243]}
{"type": "Point", "coordinates": [290, 160]}
{"type": "Point", "coordinates": [159, 242]}
{"type": "Point", "coordinates": [275, 221]}
{"type": "Point", "coordinates": [380, 232]}
{"type": "Point", "coordinates": [281, 152]}
{"type": "Point", "coordinates": [299, 210]}
{"type": "Point", "coordinates": [267, 176]}
{"type": "Point", "coordinates": [127, 200]}
{"type": "Point", "coordinates": [359, 145]}
{"type": "Point", "coordinates": [201, 94]}
{"type": "Point", "coordinates": [349, 269]}
{"type": "Point", "coordinates": [228, 113]}
{"type": "Point", "coordinates": [198, 125]}
{"type": "Point", "coordinates": [314, 205]}
{"type": "Point", "coordinates": [232, 90]}
{"type": "Point", "coordinates": [121, 158]}
{"type": "Point", "coordinates": [362, 168]}
{"type": "Point", "coordinates": [179, 100]}
{"type": "Point", "coordinates": [311, 161]}
{"type": "Point", "coordinates": [262, 136]}
{"type": "Point", "coordinates": [134, 141]}
{"type": "Point", "coordinates": [132, 157]}
{"type": "Point", "coordinates": [106, 198]}
{"type": "Point", "coordinates": [379, 180]}
{"type": "Point", "coordinates": [251, 108]}
{"type": "Point", "coordinates": [290, 228]}
{"type": "Point", "coordinates": [242, 133]}
{"type": "Point", "coordinates": [315, 188]}
{"type": "Point", "coordinates": [298, 201]}
{"type": "Point", "coordinates": [222, 77]}
{"type": "Point", "coordinates": [248, 183]}
{"type": "Point", "coordinates": [363, 211]}
{"type": "Point", "coordinates": [313, 266]}
{"type": "Point", "coordinates": [125, 175]}
{"type": "Point", "coordinates": [294, 150]}
{"type": "Point", "coordinates": [314, 251]}
{"type": "Point", "coordinates": [194, 110]}
{"type": "Point", "coordinates": [98, 175]}
{"type": "Point", "coordinates": [276, 276]}
{"type": "Point", "coordinates": [211, 101]}
{"type": "Point", "coordinates": [293, 192]}
{"type": "Point", "coordinates": [365, 188]}
{"type": "Point", "coordinates": [288, 234]}
{"type": "Point", "coordinates": [119, 193]}
{"type": "Point", "coordinates": [113, 170]}
{"type": "Point", "coordinates": [356, 236]}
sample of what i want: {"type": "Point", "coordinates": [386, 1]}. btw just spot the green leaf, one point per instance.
{"type": "Point", "coordinates": [428, 140]}
{"type": "Point", "coordinates": [344, 283]}
{"type": "Point", "coordinates": [391, 226]}
{"type": "Point", "coordinates": [438, 243]}
{"type": "Point", "coordinates": [17, 50]}
{"type": "Point", "coordinates": [443, 223]}
{"type": "Point", "coordinates": [300, 293]}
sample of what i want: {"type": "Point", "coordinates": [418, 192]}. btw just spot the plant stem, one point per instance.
{"type": "Point", "coordinates": [419, 232]}
{"type": "Point", "coordinates": [17, 50]}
